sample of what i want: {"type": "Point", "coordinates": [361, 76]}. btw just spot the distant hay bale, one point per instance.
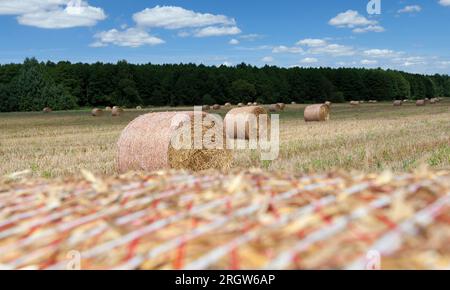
{"type": "Point", "coordinates": [249, 104]}
{"type": "Point", "coordinates": [293, 103]}
{"type": "Point", "coordinates": [47, 110]}
{"type": "Point", "coordinates": [373, 101]}
{"type": "Point", "coordinates": [146, 145]}
{"type": "Point", "coordinates": [354, 103]}
{"type": "Point", "coordinates": [139, 108]}
{"type": "Point", "coordinates": [238, 123]}
{"type": "Point", "coordinates": [362, 102]}
{"type": "Point", "coordinates": [420, 103]}
{"type": "Point", "coordinates": [317, 113]}
{"type": "Point", "coordinates": [206, 108]}
{"type": "Point", "coordinates": [117, 111]}
{"type": "Point", "coordinates": [240, 105]}
{"type": "Point", "coordinates": [398, 103]}
{"type": "Point", "coordinates": [427, 100]}
{"type": "Point", "coordinates": [282, 106]}
{"type": "Point", "coordinates": [255, 104]}
{"type": "Point", "coordinates": [216, 107]}
{"type": "Point", "coordinates": [274, 108]}
{"type": "Point", "coordinates": [433, 101]}
{"type": "Point", "coordinates": [328, 103]}
{"type": "Point", "coordinates": [227, 105]}
{"type": "Point", "coordinates": [96, 112]}
{"type": "Point", "coordinates": [405, 101]}
{"type": "Point", "coordinates": [108, 109]}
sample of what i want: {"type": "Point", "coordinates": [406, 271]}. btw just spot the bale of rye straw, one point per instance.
{"type": "Point", "coordinates": [216, 107]}
{"type": "Point", "coordinates": [274, 108]}
{"type": "Point", "coordinates": [317, 113]}
{"type": "Point", "coordinates": [139, 108]}
{"type": "Point", "coordinates": [249, 104]}
{"type": "Point", "coordinates": [282, 106]}
{"type": "Point", "coordinates": [328, 103]}
{"type": "Point", "coordinates": [206, 108]}
{"type": "Point", "coordinates": [240, 105]}
{"type": "Point", "coordinates": [238, 123]}
{"type": "Point", "coordinates": [227, 105]}
{"type": "Point", "coordinates": [47, 110]}
{"type": "Point", "coordinates": [108, 109]}
{"type": "Point", "coordinates": [96, 112]}
{"type": "Point", "coordinates": [433, 101]}
{"type": "Point", "coordinates": [293, 103]}
{"type": "Point", "coordinates": [146, 144]}
{"type": "Point", "coordinates": [420, 103]}
{"type": "Point", "coordinates": [354, 103]}
{"type": "Point", "coordinates": [255, 104]}
{"type": "Point", "coordinates": [398, 103]}
{"type": "Point", "coordinates": [116, 111]}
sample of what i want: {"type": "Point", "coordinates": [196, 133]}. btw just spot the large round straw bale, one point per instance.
{"type": "Point", "coordinates": [293, 103]}
{"type": "Point", "coordinates": [116, 111]}
{"type": "Point", "coordinates": [240, 105]}
{"type": "Point", "coordinates": [238, 122]}
{"type": "Point", "coordinates": [433, 101]}
{"type": "Point", "coordinates": [96, 112]}
{"type": "Point", "coordinates": [227, 105]}
{"type": "Point", "coordinates": [206, 108]}
{"type": "Point", "coordinates": [216, 107]}
{"type": "Point", "coordinates": [108, 109]}
{"type": "Point", "coordinates": [282, 106]}
{"type": "Point", "coordinates": [317, 113]}
{"type": "Point", "coordinates": [146, 144]}
{"type": "Point", "coordinates": [255, 104]}
{"type": "Point", "coordinates": [139, 108]}
{"type": "Point", "coordinates": [47, 110]}
{"type": "Point", "coordinates": [274, 108]}
{"type": "Point", "coordinates": [250, 104]}
{"type": "Point", "coordinates": [398, 103]}
{"type": "Point", "coordinates": [420, 103]}
{"type": "Point", "coordinates": [354, 103]}
{"type": "Point", "coordinates": [328, 103]}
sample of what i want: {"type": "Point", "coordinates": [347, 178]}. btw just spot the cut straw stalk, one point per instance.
{"type": "Point", "coordinates": [146, 144]}
{"type": "Point", "coordinates": [317, 113]}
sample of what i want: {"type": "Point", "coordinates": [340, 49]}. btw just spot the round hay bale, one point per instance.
{"type": "Point", "coordinates": [427, 100]}
{"type": "Point", "coordinates": [398, 103]}
{"type": "Point", "coordinates": [249, 104]}
{"type": "Point", "coordinates": [146, 145]}
{"type": "Point", "coordinates": [373, 101]}
{"type": "Point", "coordinates": [255, 104]}
{"type": "Point", "coordinates": [433, 101]}
{"type": "Point", "coordinates": [354, 103]}
{"type": "Point", "coordinates": [240, 105]}
{"type": "Point", "coordinates": [420, 103]}
{"type": "Point", "coordinates": [227, 105]}
{"type": "Point", "coordinates": [239, 118]}
{"type": "Point", "coordinates": [117, 111]}
{"type": "Point", "coordinates": [206, 108]}
{"type": "Point", "coordinates": [328, 103]}
{"type": "Point", "coordinates": [282, 106]}
{"type": "Point", "coordinates": [293, 103]}
{"type": "Point", "coordinates": [96, 112]}
{"type": "Point", "coordinates": [274, 108]}
{"type": "Point", "coordinates": [317, 113]}
{"type": "Point", "coordinates": [216, 107]}
{"type": "Point", "coordinates": [108, 109]}
{"type": "Point", "coordinates": [138, 108]}
{"type": "Point", "coordinates": [405, 101]}
{"type": "Point", "coordinates": [47, 110]}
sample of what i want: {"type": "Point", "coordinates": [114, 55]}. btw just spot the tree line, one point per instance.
{"type": "Point", "coordinates": [33, 85]}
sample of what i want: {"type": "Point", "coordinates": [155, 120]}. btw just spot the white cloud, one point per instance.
{"type": "Point", "coordinates": [309, 60]}
{"type": "Point", "coordinates": [312, 42]}
{"type": "Point", "coordinates": [352, 19]}
{"type": "Point", "coordinates": [410, 61]}
{"type": "Point", "coordinates": [217, 31]}
{"type": "Point", "coordinates": [369, 62]}
{"type": "Point", "coordinates": [410, 9]}
{"type": "Point", "coordinates": [333, 50]}
{"type": "Point", "coordinates": [285, 49]}
{"type": "Point", "coordinates": [381, 53]}
{"type": "Point", "coordinates": [234, 41]}
{"type": "Point", "coordinates": [173, 17]}
{"type": "Point", "coordinates": [131, 37]}
{"type": "Point", "coordinates": [53, 14]}
{"type": "Point", "coordinates": [444, 2]}
{"type": "Point", "coordinates": [251, 37]}
{"type": "Point", "coordinates": [370, 28]}
{"type": "Point", "coordinates": [267, 59]}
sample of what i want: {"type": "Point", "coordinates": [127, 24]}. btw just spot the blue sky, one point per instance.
{"type": "Point", "coordinates": [406, 35]}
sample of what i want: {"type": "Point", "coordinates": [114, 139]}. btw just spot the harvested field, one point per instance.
{"type": "Point", "coordinates": [243, 220]}
{"type": "Point", "coordinates": [371, 137]}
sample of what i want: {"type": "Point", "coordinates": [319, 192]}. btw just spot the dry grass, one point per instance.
{"type": "Point", "coordinates": [371, 137]}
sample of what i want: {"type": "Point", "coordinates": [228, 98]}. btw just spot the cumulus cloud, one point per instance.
{"type": "Point", "coordinates": [369, 62]}
{"type": "Point", "coordinates": [309, 60]}
{"type": "Point", "coordinates": [53, 14]}
{"type": "Point", "coordinates": [234, 41]}
{"type": "Point", "coordinates": [352, 19]}
{"type": "Point", "coordinates": [285, 49]}
{"type": "Point", "coordinates": [267, 59]}
{"type": "Point", "coordinates": [312, 42]}
{"type": "Point", "coordinates": [444, 2]}
{"type": "Point", "coordinates": [131, 37]}
{"type": "Point", "coordinates": [333, 50]}
{"type": "Point", "coordinates": [173, 17]}
{"type": "Point", "coordinates": [410, 9]}
{"type": "Point", "coordinates": [217, 31]}
{"type": "Point", "coordinates": [381, 53]}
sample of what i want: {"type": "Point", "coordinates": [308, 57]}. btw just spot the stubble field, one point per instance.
{"type": "Point", "coordinates": [372, 137]}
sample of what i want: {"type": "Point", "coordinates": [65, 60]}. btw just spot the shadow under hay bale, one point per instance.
{"type": "Point", "coordinates": [146, 144]}
{"type": "Point", "coordinates": [240, 122]}
{"type": "Point", "coordinates": [317, 113]}
{"type": "Point", "coordinates": [96, 112]}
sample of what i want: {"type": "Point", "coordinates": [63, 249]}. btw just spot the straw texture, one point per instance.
{"type": "Point", "coordinates": [317, 113]}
